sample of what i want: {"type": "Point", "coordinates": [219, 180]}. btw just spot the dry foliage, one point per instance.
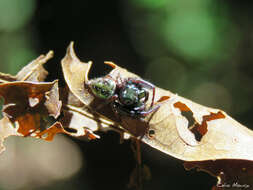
{"type": "Point", "coordinates": [203, 137]}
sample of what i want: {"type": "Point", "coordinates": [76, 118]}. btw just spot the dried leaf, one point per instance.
{"type": "Point", "coordinates": [29, 106]}
{"type": "Point", "coordinates": [34, 71]}
{"type": "Point", "coordinates": [53, 103]}
{"type": "Point", "coordinates": [180, 127]}
{"type": "Point", "coordinates": [212, 135]}
{"type": "Point", "coordinates": [203, 134]}
{"type": "Point", "coordinates": [50, 132]}
{"type": "Point", "coordinates": [75, 74]}
{"type": "Point", "coordinates": [6, 78]}
{"type": "Point", "coordinates": [6, 130]}
{"type": "Point", "coordinates": [192, 132]}
{"type": "Point", "coordinates": [78, 119]}
{"type": "Point", "coordinates": [26, 104]}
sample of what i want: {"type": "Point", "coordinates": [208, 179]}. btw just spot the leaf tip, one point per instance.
{"type": "Point", "coordinates": [86, 77]}
{"type": "Point", "coordinates": [49, 55]}
{"type": "Point", "coordinates": [70, 50]}
{"type": "Point", "coordinates": [113, 65]}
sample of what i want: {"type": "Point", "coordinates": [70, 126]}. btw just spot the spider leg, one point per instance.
{"type": "Point", "coordinates": [147, 85]}
{"type": "Point", "coordinates": [120, 109]}
{"type": "Point", "coordinates": [113, 98]}
{"type": "Point", "coordinates": [151, 110]}
{"type": "Point", "coordinates": [139, 108]}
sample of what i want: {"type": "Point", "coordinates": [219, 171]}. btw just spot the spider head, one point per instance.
{"type": "Point", "coordinates": [103, 88]}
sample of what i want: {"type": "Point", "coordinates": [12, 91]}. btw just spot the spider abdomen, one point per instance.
{"type": "Point", "coordinates": [131, 95]}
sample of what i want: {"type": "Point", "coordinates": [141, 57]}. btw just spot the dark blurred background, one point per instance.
{"type": "Point", "coordinates": [200, 49]}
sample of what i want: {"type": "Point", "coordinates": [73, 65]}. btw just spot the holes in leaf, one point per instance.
{"type": "Point", "coordinates": [199, 130]}
{"type": "Point", "coordinates": [193, 126]}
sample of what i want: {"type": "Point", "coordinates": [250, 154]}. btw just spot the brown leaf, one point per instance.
{"type": "Point", "coordinates": [6, 78]}
{"type": "Point", "coordinates": [26, 104]}
{"type": "Point", "coordinates": [215, 135]}
{"type": "Point", "coordinates": [224, 139]}
{"type": "Point", "coordinates": [75, 74]}
{"type": "Point", "coordinates": [53, 103]}
{"type": "Point", "coordinates": [29, 105]}
{"type": "Point", "coordinates": [49, 133]}
{"type": "Point", "coordinates": [6, 129]}
{"type": "Point", "coordinates": [180, 127]}
{"type": "Point", "coordinates": [192, 132]}
{"type": "Point", "coordinates": [34, 71]}
{"type": "Point", "coordinates": [78, 119]}
{"type": "Point", "coordinates": [221, 136]}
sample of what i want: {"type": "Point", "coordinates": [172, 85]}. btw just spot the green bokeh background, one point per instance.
{"type": "Point", "coordinates": [199, 49]}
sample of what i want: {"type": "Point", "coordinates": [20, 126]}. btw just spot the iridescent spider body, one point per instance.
{"type": "Point", "coordinates": [127, 96]}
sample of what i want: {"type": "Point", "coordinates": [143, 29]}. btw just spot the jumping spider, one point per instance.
{"type": "Point", "coordinates": [127, 96]}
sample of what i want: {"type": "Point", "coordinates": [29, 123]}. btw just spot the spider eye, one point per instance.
{"type": "Point", "coordinates": [103, 87]}
{"type": "Point", "coordinates": [142, 94]}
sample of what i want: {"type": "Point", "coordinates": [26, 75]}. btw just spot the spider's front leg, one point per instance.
{"type": "Point", "coordinates": [150, 110]}
{"type": "Point", "coordinates": [121, 110]}
{"type": "Point", "coordinates": [109, 101]}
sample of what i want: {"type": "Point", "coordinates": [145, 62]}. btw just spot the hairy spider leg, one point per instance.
{"type": "Point", "coordinates": [119, 109]}
{"type": "Point", "coordinates": [151, 110]}
{"type": "Point", "coordinates": [140, 108]}
{"type": "Point", "coordinates": [112, 99]}
{"type": "Point", "coordinates": [147, 85]}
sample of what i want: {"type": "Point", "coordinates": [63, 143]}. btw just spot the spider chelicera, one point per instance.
{"type": "Point", "coordinates": [127, 96]}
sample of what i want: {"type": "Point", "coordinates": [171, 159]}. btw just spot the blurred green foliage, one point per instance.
{"type": "Point", "coordinates": [14, 14]}
{"type": "Point", "coordinates": [151, 4]}
{"type": "Point", "coordinates": [15, 42]}
{"type": "Point", "coordinates": [196, 30]}
{"type": "Point", "coordinates": [187, 46]}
